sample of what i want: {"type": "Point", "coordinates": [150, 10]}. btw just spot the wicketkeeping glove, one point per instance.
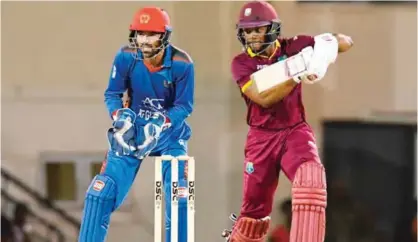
{"type": "Point", "coordinates": [151, 132]}
{"type": "Point", "coordinates": [122, 136]}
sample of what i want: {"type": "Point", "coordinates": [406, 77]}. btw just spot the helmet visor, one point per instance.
{"type": "Point", "coordinates": [252, 24]}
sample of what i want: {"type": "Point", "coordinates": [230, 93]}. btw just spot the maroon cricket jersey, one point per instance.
{"type": "Point", "coordinates": [285, 113]}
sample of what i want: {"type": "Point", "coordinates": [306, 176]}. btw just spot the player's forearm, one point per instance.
{"type": "Point", "coordinates": [277, 93]}
{"type": "Point", "coordinates": [113, 102]}
{"type": "Point", "coordinates": [344, 42]}
{"type": "Point", "coordinates": [184, 100]}
{"type": "Point", "coordinates": [178, 114]}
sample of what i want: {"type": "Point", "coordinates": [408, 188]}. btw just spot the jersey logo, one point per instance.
{"type": "Point", "coordinates": [283, 57]}
{"type": "Point", "coordinates": [259, 67]}
{"type": "Point", "coordinates": [249, 168]}
{"type": "Point", "coordinates": [247, 12]}
{"type": "Point", "coordinates": [144, 18]}
{"type": "Point", "coordinates": [154, 103]}
{"type": "Point", "coordinates": [182, 142]}
{"type": "Point", "coordinates": [150, 107]}
{"type": "Point", "coordinates": [167, 84]}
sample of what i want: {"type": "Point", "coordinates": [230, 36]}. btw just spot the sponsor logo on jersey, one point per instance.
{"type": "Point", "coordinates": [259, 67]}
{"type": "Point", "coordinates": [153, 102]}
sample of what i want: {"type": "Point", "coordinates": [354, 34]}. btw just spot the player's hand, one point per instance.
{"type": "Point", "coordinates": [123, 118]}
{"type": "Point", "coordinates": [345, 42]}
{"type": "Point", "coordinates": [298, 67]}
{"type": "Point", "coordinates": [324, 53]}
{"type": "Point", "coordinates": [122, 136]}
{"type": "Point", "coordinates": [317, 69]}
{"type": "Point", "coordinates": [157, 124]}
{"type": "Point", "coordinates": [151, 132]}
{"type": "Point", "coordinates": [310, 78]}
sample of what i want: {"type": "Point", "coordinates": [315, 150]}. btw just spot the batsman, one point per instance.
{"type": "Point", "coordinates": [159, 81]}
{"type": "Point", "coordinates": [270, 72]}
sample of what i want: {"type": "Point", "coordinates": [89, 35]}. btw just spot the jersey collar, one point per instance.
{"type": "Point", "coordinates": [252, 54]}
{"type": "Point", "coordinates": [167, 61]}
{"type": "Point", "coordinates": [167, 56]}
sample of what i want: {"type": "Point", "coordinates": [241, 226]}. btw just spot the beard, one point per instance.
{"type": "Point", "coordinates": [148, 50]}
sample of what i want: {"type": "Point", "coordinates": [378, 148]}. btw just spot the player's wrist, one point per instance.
{"type": "Point", "coordinates": [300, 77]}
{"type": "Point", "coordinates": [114, 115]}
{"type": "Point", "coordinates": [297, 79]}
{"type": "Point", "coordinates": [123, 115]}
{"type": "Point", "coordinates": [161, 120]}
{"type": "Point", "coordinates": [167, 122]}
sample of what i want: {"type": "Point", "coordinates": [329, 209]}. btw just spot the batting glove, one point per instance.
{"type": "Point", "coordinates": [325, 53]}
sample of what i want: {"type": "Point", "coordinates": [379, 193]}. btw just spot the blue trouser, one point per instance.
{"type": "Point", "coordinates": [109, 189]}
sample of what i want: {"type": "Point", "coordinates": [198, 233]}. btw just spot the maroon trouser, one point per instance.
{"type": "Point", "coordinates": [292, 150]}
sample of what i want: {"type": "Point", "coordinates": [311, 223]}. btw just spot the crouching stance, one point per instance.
{"type": "Point", "coordinates": [159, 81]}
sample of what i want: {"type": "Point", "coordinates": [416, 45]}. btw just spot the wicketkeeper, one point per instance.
{"type": "Point", "coordinates": [159, 81]}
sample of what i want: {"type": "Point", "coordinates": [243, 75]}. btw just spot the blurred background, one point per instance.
{"type": "Point", "coordinates": [56, 59]}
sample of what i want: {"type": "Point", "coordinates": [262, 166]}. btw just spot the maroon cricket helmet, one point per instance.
{"type": "Point", "coordinates": [257, 14]}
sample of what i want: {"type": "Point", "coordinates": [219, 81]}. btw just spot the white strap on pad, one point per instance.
{"type": "Point", "coordinates": [283, 70]}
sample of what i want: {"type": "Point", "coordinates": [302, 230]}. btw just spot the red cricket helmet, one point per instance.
{"type": "Point", "coordinates": [257, 14]}
{"type": "Point", "coordinates": [150, 19]}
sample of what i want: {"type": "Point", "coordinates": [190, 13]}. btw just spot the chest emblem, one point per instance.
{"type": "Point", "coordinates": [167, 84]}
{"type": "Point", "coordinates": [283, 57]}
{"type": "Point", "coordinates": [153, 103]}
{"type": "Point", "coordinates": [249, 168]}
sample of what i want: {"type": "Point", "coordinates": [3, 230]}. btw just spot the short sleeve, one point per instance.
{"type": "Point", "coordinates": [241, 73]}
{"type": "Point", "coordinates": [299, 42]}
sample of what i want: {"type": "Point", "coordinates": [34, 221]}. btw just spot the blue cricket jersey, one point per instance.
{"type": "Point", "coordinates": [169, 89]}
